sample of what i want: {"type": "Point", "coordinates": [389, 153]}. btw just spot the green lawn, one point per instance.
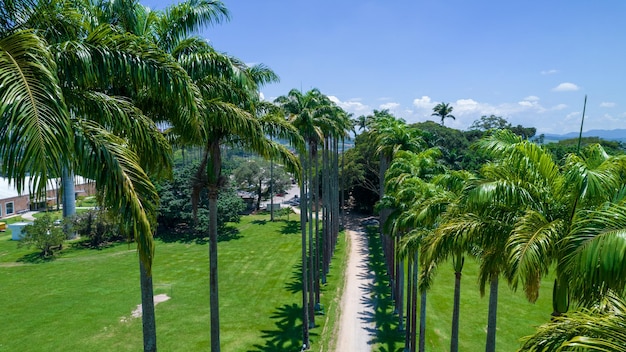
{"type": "Point", "coordinates": [516, 316]}
{"type": "Point", "coordinates": [83, 300]}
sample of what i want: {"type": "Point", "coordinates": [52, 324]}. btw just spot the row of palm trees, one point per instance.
{"type": "Point", "coordinates": [322, 124]}
{"type": "Point", "coordinates": [85, 84]}
{"type": "Point", "coordinates": [524, 216]}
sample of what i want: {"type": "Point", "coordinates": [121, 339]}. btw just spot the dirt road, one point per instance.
{"type": "Point", "coordinates": [355, 325]}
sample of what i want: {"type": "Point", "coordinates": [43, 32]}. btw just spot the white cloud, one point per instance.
{"type": "Point", "coordinates": [352, 105]}
{"type": "Point", "coordinates": [559, 107]}
{"type": "Point", "coordinates": [389, 106]}
{"type": "Point", "coordinates": [261, 96]}
{"type": "Point", "coordinates": [424, 102]}
{"type": "Point", "coordinates": [565, 87]}
{"type": "Point", "coordinates": [526, 103]}
{"type": "Point", "coordinates": [606, 104]}
{"type": "Point", "coordinates": [549, 72]}
{"type": "Point", "coordinates": [532, 98]}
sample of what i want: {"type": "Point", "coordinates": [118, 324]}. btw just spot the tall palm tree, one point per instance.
{"type": "Point", "coordinates": [310, 113]}
{"type": "Point", "coordinates": [392, 135]}
{"type": "Point", "coordinates": [444, 111]}
{"type": "Point", "coordinates": [406, 188]}
{"type": "Point", "coordinates": [104, 73]}
{"type": "Point", "coordinates": [447, 240]}
{"type": "Point", "coordinates": [229, 117]}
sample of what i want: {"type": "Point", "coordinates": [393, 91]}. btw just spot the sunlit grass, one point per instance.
{"type": "Point", "coordinates": [83, 300]}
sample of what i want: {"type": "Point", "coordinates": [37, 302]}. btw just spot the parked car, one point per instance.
{"type": "Point", "coordinates": [371, 221]}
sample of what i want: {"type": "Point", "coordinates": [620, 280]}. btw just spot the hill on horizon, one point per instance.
{"type": "Point", "coordinates": [611, 135]}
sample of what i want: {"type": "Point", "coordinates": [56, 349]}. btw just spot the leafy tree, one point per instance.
{"type": "Point", "coordinates": [106, 74]}
{"type": "Point", "coordinates": [361, 173]}
{"type": "Point", "coordinates": [493, 122]}
{"type": "Point", "coordinates": [231, 96]}
{"type": "Point", "coordinates": [99, 226]}
{"type": "Point", "coordinates": [444, 111]}
{"type": "Point", "coordinates": [176, 211]}
{"type": "Point", "coordinates": [454, 145]}
{"type": "Point", "coordinates": [44, 235]}
{"type": "Point", "coordinates": [486, 123]}
{"type": "Point", "coordinates": [256, 175]}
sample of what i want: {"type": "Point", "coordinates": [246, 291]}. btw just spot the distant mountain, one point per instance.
{"type": "Point", "coordinates": [611, 135]}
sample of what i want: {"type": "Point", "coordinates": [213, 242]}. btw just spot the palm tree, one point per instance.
{"type": "Point", "coordinates": [274, 124]}
{"type": "Point", "coordinates": [567, 217]}
{"type": "Point", "coordinates": [35, 132]}
{"type": "Point", "coordinates": [599, 328]}
{"type": "Point", "coordinates": [392, 135]}
{"type": "Point", "coordinates": [447, 239]}
{"type": "Point", "coordinates": [407, 188]}
{"type": "Point", "coordinates": [105, 73]}
{"type": "Point", "coordinates": [444, 111]}
{"type": "Point", "coordinates": [310, 113]}
{"type": "Point", "coordinates": [229, 117]}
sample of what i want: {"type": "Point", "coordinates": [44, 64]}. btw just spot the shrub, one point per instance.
{"type": "Point", "coordinates": [99, 226]}
{"type": "Point", "coordinates": [44, 235]}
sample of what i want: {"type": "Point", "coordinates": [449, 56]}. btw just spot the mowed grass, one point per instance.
{"type": "Point", "coordinates": [83, 300]}
{"type": "Point", "coordinates": [516, 316]}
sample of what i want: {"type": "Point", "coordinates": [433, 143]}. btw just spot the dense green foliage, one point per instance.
{"type": "Point", "coordinates": [176, 211]}
{"type": "Point", "coordinates": [99, 226]}
{"type": "Point", "coordinates": [563, 147]}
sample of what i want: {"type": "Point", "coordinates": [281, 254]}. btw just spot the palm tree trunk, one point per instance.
{"type": "Point", "coordinates": [310, 219]}
{"type": "Point", "coordinates": [422, 342]}
{"type": "Point", "coordinates": [316, 248]}
{"type": "Point", "coordinates": [409, 308]}
{"type": "Point", "coordinates": [214, 173]}
{"type": "Point", "coordinates": [213, 288]}
{"type": "Point", "coordinates": [454, 338]}
{"type": "Point", "coordinates": [492, 315]}
{"type": "Point", "coordinates": [305, 277]}
{"type": "Point", "coordinates": [272, 190]}
{"type": "Point", "coordinates": [400, 301]}
{"type": "Point", "coordinates": [414, 301]}
{"type": "Point", "coordinates": [342, 187]}
{"type": "Point", "coordinates": [69, 196]}
{"type": "Point", "coordinates": [147, 310]}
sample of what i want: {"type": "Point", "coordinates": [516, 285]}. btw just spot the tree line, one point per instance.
{"type": "Point", "coordinates": [522, 209]}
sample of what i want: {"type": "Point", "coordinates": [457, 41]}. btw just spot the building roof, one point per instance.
{"type": "Point", "coordinates": [8, 190]}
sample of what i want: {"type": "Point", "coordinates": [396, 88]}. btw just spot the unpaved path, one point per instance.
{"type": "Point", "coordinates": [355, 323]}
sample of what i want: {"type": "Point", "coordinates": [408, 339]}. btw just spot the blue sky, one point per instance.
{"type": "Point", "coordinates": [531, 62]}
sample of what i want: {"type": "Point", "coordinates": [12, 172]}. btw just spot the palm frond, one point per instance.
{"type": "Point", "coordinates": [35, 133]}
{"type": "Point", "coordinates": [123, 184]}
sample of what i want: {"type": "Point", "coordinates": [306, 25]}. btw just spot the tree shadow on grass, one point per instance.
{"type": "Point", "coordinates": [187, 235]}
{"type": "Point", "coordinates": [291, 227]}
{"type": "Point", "coordinates": [228, 233]}
{"type": "Point", "coordinates": [34, 258]}
{"type": "Point", "coordinates": [295, 285]}
{"type": "Point", "coordinates": [287, 336]}
{"type": "Point", "coordinates": [386, 321]}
